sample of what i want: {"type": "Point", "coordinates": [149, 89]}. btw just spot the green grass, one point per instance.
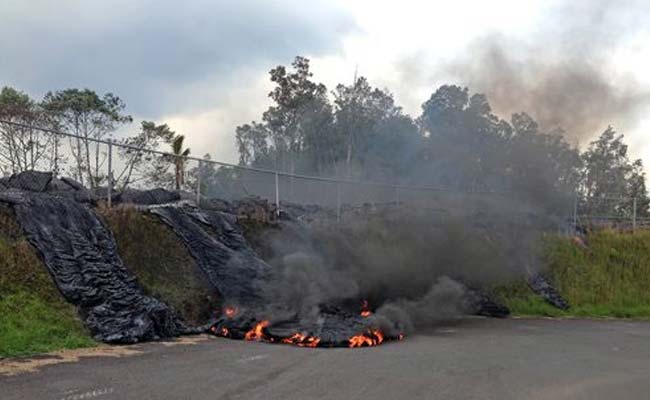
{"type": "Point", "coordinates": [160, 262]}
{"type": "Point", "coordinates": [611, 278]}
{"type": "Point", "coordinates": [29, 325]}
{"type": "Point", "coordinates": [34, 317]}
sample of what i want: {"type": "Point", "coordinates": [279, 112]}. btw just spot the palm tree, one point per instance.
{"type": "Point", "coordinates": [180, 155]}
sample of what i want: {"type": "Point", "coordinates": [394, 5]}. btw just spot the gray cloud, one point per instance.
{"type": "Point", "coordinates": [161, 57]}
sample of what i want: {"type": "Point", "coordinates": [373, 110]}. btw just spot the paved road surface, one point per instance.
{"type": "Point", "coordinates": [473, 359]}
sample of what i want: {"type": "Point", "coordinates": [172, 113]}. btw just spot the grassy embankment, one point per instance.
{"type": "Point", "coordinates": [161, 263]}
{"type": "Point", "coordinates": [34, 317]}
{"type": "Point", "coordinates": [610, 278]}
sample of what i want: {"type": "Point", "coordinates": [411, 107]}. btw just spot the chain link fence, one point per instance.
{"type": "Point", "coordinates": [116, 166]}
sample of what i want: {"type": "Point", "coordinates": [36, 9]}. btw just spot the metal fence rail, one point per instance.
{"type": "Point", "coordinates": [208, 178]}
{"type": "Point", "coordinates": [271, 184]}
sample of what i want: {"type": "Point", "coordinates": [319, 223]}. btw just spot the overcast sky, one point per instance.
{"type": "Point", "coordinates": [201, 65]}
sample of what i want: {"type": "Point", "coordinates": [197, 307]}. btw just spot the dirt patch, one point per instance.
{"type": "Point", "coordinates": [15, 366]}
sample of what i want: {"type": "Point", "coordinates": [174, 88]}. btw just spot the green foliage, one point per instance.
{"type": "Point", "coordinates": [161, 263]}
{"type": "Point", "coordinates": [610, 279]}
{"type": "Point", "coordinates": [84, 113]}
{"type": "Point", "coordinates": [22, 148]}
{"type": "Point", "coordinates": [294, 126]}
{"type": "Point", "coordinates": [30, 324]}
{"type": "Point", "coordinates": [141, 164]}
{"type": "Point", "coordinates": [35, 317]}
{"type": "Point", "coordinates": [608, 170]}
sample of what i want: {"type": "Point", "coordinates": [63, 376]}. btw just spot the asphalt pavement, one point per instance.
{"type": "Point", "coordinates": [470, 359]}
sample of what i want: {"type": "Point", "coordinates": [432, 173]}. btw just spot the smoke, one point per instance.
{"type": "Point", "coordinates": [444, 301]}
{"type": "Point", "coordinates": [412, 266]}
{"type": "Point", "coordinates": [577, 93]}
{"type": "Point", "coordinates": [564, 73]}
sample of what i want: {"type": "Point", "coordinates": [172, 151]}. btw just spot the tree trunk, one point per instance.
{"type": "Point", "coordinates": [348, 159]}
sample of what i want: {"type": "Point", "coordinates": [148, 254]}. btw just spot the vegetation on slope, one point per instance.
{"type": "Point", "coordinates": [610, 278]}
{"type": "Point", "coordinates": [162, 265]}
{"type": "Point", "coordinates": [34, 317]}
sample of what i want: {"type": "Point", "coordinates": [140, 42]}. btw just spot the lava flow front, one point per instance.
{"type": "Point", "coordinates": [365, 312]}
{"type": "Point", "coordinates": [257, 333]}
{"type": "Point", "coordinates": [337, 328]}
{"type": "Point", "coordinates": [230, 311]}
{"type": "Point", "coordinates": [371, 338]}
{"type": "Point", "coordinates": [302, 340]}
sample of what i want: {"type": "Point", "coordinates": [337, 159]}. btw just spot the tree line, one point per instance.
{"type": "Point", "coordinates": [355, 131]}
{"type": "Point", "coordinates": [359, 132]}
{"type": "Point", "coordinates": [90, 117]}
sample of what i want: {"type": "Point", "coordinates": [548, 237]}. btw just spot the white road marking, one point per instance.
{"type": "Point", "coordinates": [253, 358]}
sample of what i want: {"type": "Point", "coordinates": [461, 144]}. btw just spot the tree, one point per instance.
{"type": "Point", "coordinates": [465, 139]}
{"type": "Point", "coordinates": [542, 165]}
{"type": "Point", "coordinates": [179, 159]}
{"type": "Point", "coordinates": [291, 128]}
{"type": "Point", "coordinates": [609, 174]}
{"type": "Point", "coordinates": [252, 143]}
{"type": "Point", "coordinates": [138, 156]}
{"type": "Point", "coordinates": [89, 116]}
{"type": "Point", "coordinates": [22, 148]}
{"type": "Point", "coordinates": [366, 119]}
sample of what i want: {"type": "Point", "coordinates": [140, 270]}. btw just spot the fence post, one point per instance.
{"type": "Point", "coordinates": [198, 185]}
{"type": "Point", "coordinates": [575, 212]}
{"type": "Point", "coordinates": [110, 172]}
{"type": "Point", "coordinates": [56, 155]}
{"type": "Point", "coordinates": [338, 201]}
{"type": "Point", "coordinates": [277, 195]}
{"type": "Point", "coordinates": [634, 214]}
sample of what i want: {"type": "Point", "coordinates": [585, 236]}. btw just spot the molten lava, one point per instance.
{"type": "Point", "coordinates": [230, 311]}
{"type": "Point", "coordinates": [221, 332]}
{"type": "Point", "coordinates": [257, 333]}
{"type": "Point", "coordinates": [365, 312]}
{"type": "Point", "coordinates": [370, 338]}
{"type": "Point", "coordinates": [302, 340]}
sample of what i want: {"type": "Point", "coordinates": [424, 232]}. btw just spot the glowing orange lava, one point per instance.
{"type": "Point", "coordinates": [371, 338]}
{"type": "Point", "coordinates": [230, 311]}
{"type": "Point", "coordinates": [301, 340]}
{"type": "Point", "coordinates": [365, 312]}
{"type": "Point", "coordinates": [257, 333]}
{"type": "Point", "coordinates": [225, 332]}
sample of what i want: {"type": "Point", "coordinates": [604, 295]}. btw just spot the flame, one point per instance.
{"type": "Point", "coordinates": [365, 312]}
{"type": "Point", "coordinates": [230, 311]}
{"type": "Point", "coordinates": [225, 332]}
{"type": "Point", "coordinates": [302, 340]}
{"type": "Point", "coordinates": [371, 338]}
{"type": "Point", "coordinates": [257, 333]}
